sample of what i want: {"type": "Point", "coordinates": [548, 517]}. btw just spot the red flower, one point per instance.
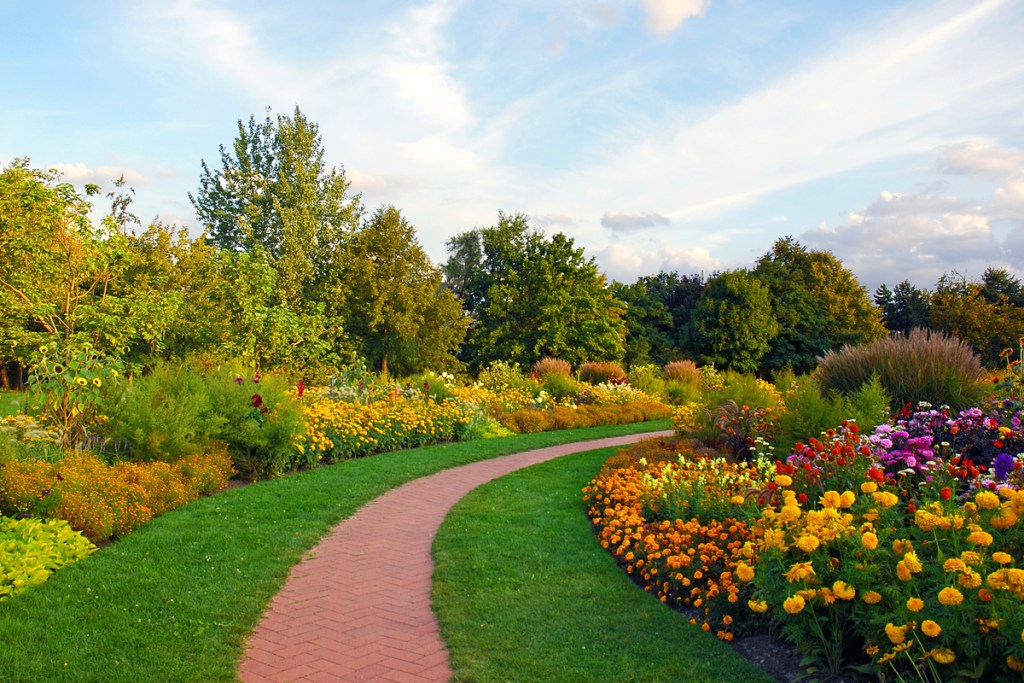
{"type": "Point", "coordinates": [301, 387]}
{"type": "Point", "coordinates": [257, 400]}
{"type": "Point", "coordinates": [945, 493]}
{"type": "Point", "coordinates": [802, 497]}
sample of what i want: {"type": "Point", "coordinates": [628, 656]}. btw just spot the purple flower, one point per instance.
{"type": "Point", "coordinates": [60, 477]}
{"type": "Point", "coordinates": [886, 443]}
{"type": "Point", "coordinates": [44, 492]}
{"type": "Point", "coordinates": [239, 380]}
{"type": "Point", "coordinates": [1002, 465]}
{"type": "Point", "coordinates": [257, 400]}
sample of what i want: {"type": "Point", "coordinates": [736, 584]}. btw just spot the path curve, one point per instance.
{"type": "Point", "coordinates": [357, 607]}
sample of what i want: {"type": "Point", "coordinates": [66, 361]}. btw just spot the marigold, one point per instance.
{"type": "Point", "coordinates": [913, 564]}
{"type": "Point", "coordinates": [1014, 663]}
{"type": "Point", "coordinates": [744, 572]}
{"type": "Point", "coordinates": [915, 604]}
{"type": "Point", "coordinates": [868, 487]}
{"type": "Point", "coordinates": [847, 499]}
{"type": "Point", "coordinates": [954, 564]}
{"type": "Point", "coordinates": [807, 543]}
{"type": "Point", "coordinates": [885, 499]}
{"type": "Point", "coordinates": [987, 500]}
{"type": "Point", "coordinates": [843, 590]}
{"type": "Point", "coordinates": [943, 655]}
{"type": "Point", "coordinates": [950, 596]}
{"type": "Point", "coordinates": [794, 604]}
{"type": "Point", "coordinates": [1002, 558]}
{"type": "Point", "coordinates": [831, 499]}
{"type": "Point", "coordinates": [869, 540]}
{"type": "Point", "coordinates": [784, 480]}
{"type": "Point", "coordinates": [930, 628]}
{"type": "Point", "coordinates": [982, 538]}
{"type": "Point", "coordinates": [872, 597]}
{"type": "Point", "coordinates": [897, 634]}
{"type": "Point", "coordinates": [799, 571]}
{"type": "Point", "coordinates": [759, 606]}
{"type": "Point", "coordinates": [903, 572]}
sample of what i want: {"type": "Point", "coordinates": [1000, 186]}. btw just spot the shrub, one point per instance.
{"type": "Point", "coordinates": [744, 390]}
{"type": "Point", "coordinates": [561, 388]}
{"type": "Point", "coordinates": [647, 379]}
{"type": "Point", "coordinates": [680, 393]}
{"type": "Point", "coordinates": [552, 366]}
{"type": "Point", "coordinates": [600, 372]}
{"type": "Point", "coordinates": [685, 371]}
{"type": "Point", "coordinates": [165, 415]}
{"type": "Point", "coordinates": [809, 412]}
{"type": "Point", "coordinates": [32, 549]}
{"type": "Point", "coordinates": [923, 366]}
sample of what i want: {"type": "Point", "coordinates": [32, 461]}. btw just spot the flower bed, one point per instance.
{"type": "Point", "coordinates": [898, 553]}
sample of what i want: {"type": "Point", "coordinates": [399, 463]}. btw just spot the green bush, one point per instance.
{"type": "Point", "coordinates": [647, 379]}
{"type": "Point", "coordinates": [680, 393]}
{"type": "Point", "coordinates": [32, 549]}
{"type": "Point", "coordinates": [599, 372]}
{"type": "Point", "coordinates": [922, 366]}
{"type": "Point", "coordinates": [560, 387]}
{"type": "Point", "coordinates": [165, 415]}
{"type": "Point", "coordinates": [809, 411]}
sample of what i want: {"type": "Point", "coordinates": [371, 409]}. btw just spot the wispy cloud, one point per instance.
{"type": "Point", "coordinates": [665, 16]}
{"type": "Point", "coordinates": [617, 221]}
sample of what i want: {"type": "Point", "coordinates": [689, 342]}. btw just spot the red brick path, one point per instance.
{"type": "Point", "coordinates": [357, 608]}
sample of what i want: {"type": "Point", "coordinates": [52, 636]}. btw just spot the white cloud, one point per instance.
{"type": "Point", "coordinates": [665, 16]}
{"type": "Point", "coordinates": [626, 264]}
{"type": "Point", "coordinates": [617, 221]}
{"type": "Point", "coordinates": [552, 220]}
{"type": "Point", "coordinates": [978, 157]}
{"type": "Point", "coordinates": [80, 174]}
{"type": "Point", "coordinates": [1012, 191]}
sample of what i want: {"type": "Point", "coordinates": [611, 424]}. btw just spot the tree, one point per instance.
{"type": "Point", "coordinates": [734, 323]}
{"type": "Point", "coordinates": [904, 308]}
{"type": "Point", "coordinates": [396, 308]}
{"type": "Point", "coordinates": [961, 307]}
{"type": "Point", "coordinates": [998, 285]}
{"type": "Point", "coordinates": [818, 304]}
{"type": "Point", "coordinates": [274, 192]}
{"type": "Point", "coordinates": [531, 296]}
{"type": "Point", "coordinates": [659, 309]}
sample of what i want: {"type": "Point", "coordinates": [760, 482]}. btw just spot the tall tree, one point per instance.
{"type": "Point", "coordinates": [658, 315]}
{"type": "Point", "coordinates": [734, 323]}
{"type": "Point", "coordinates": [904, 308]}
{"type": "Point", "coordinates": [404, 320]}
{"type": "Point", "coordinates": [962, 308]}
{"type": "Point", "coordinates": [818, 303]}
{"type": "Point", "coordinates": [274, 192]}
{"type": "Point", "coordinates": [532, 296]}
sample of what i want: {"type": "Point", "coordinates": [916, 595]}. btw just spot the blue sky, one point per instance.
{"type": "Point", "coordinates": [660, 134]}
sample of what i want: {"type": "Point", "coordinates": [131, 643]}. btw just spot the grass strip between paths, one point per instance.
{"type": "Point", "coordinates": [524, 592]}
{"type": "Point", "coordinates": [175, 600]}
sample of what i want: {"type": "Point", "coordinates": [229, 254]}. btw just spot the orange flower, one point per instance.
{"type": "Point", "coordinates": [930, 628]}
{"type": "Point", "coordinates": [950, 596]}
{"type": "Point", "coordinates": [794, 604]}
{"type": "Point", "coordinates": [897, 634]}
{"type": "Point", "coordinates": [872, 597]}
{"type": "Point", "coordinates": [915, 604]}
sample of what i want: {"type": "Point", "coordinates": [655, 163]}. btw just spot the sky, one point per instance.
{"type": "Point", "coordinates": [682, 135]}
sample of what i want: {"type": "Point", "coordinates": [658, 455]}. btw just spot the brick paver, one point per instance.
{"type": "Point", "coordinates": [357, 607]}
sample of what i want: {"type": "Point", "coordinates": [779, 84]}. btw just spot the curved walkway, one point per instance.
{"type": "Point", "coordinates": [357, 608]}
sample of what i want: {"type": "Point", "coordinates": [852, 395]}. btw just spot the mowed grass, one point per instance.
{"type": "Point", "coordinates": [175, 600]}
{"type": "Point", "coordinates": [524, 592]}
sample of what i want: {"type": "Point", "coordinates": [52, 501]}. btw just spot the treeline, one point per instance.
{"type": "Point", "coordinates": [294, 274]}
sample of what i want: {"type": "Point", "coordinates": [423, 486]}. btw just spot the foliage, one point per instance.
{"type": "Point", "coordinates": [923, 366]}
{"type": "Point", "coordinates": [32, 549]}
{"type": "Point", "coordinates": [395, 305]}
{"type": "Point", "coordinates": [683, 371]}
{"type": "Point", "coordinates": [68, 380]}
{"type": "Point", "coordinates": [561, 388]}
{"type": "Point", "coordinates": [658, 316]}
{"type": "Point", "coordinates": [647, 378]}
{"type": "Point", "coordinates": [979, 313]}
{"type": "Point", "coordinates": [532, 296]}
{"type": "Point", "coordinates": [531, 420]}
{"type": "Point", "coordinates": [103, 500]}
{"type": "Point", "coordinates": [808, 410]}
{"type": "Point", "coordinates": [27, 436]}
{"type": "Point", "coordinates": [817, 303]}
{"type": "Point", "coordinates": [593, 372]}
{"type": "Point", "coordinates": [733, 322]}
{"type": "Point", "coordinates": [904, 308]}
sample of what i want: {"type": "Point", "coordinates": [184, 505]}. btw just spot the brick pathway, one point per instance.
{"type": "Point", "coordinates": [357, 608]}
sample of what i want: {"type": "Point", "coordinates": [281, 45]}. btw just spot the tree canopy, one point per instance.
{"type": "Point", "coordinates": [734, 324]}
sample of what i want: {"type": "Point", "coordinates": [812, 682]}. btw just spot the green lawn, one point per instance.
{"type": "Point", "coordinates": [175, 600]}
{"type": "Point", "coordinates": [12, 402]}
{"type": "Point", "coordinates": [524, 592]}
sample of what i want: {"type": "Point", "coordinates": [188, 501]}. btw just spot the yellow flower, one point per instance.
{"type": "Point", "coordinates": [799, 571]}
{"type": "Point", "coordinates": [793, 605]}
{"type": "Point", "coordinates": [943, 655]}
{"type": "Point", "coordinates": [1002, 558]}
{"type": "Point", "coordinates": [869, 540]}
{"type": "Point", "coordinates": [831, 499]}
{"type": "Point", "coordinates": [950, 596]}
{"type": "Point", "coordinates": [897, 634]}
{"type": "Point", "coordinates": [847, 499]}
{"type": "Point", "coordinates": [43, 350]}
{"type": "Point", "coordinates": [970, 557]}
{"type": "Point", "coordinates": [983, 538]}
{"type": "Point", "coordinates": [987, 500]}
{"type": "Point", "coordinates": [758, 606]}
{"type": "Point", "coordinates": [930, 628]}
{"type": "Point", "coordinates": [783, 480]}
{"type": "Point", "coordinates": [81, 381]}
{"type": "Point", "coordinates": [1014, 663]}
{"type": "Point", "coordinates": [885, 499]}
{"type": "Point", "coordinates": [913, 564]}
{"type": "Point", "coordinates": [915, 604]}
{"type": "Point", "coordinates": [843, 590]}
{"type": "Point", "coordinates": [970, 579]}
{"type": "Point", "coordinates": [744, 572]}
{"type": "Point", "coordinates": [903, 572]}
{"type": "Point", "coordinates": [113, 373]}
{"type": "Point", "coordinates": [807, 543]}
{"type": "Point", "coordinates": [868, 487]}
{"type": "Point", "coordinates": [872, 597]}
{"type": "Point", "coordinates": [737, 500]}
{"type": "Point", "coordinates": [96, 382]}
{"type": "Point", "coordinates": [954, 564]}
